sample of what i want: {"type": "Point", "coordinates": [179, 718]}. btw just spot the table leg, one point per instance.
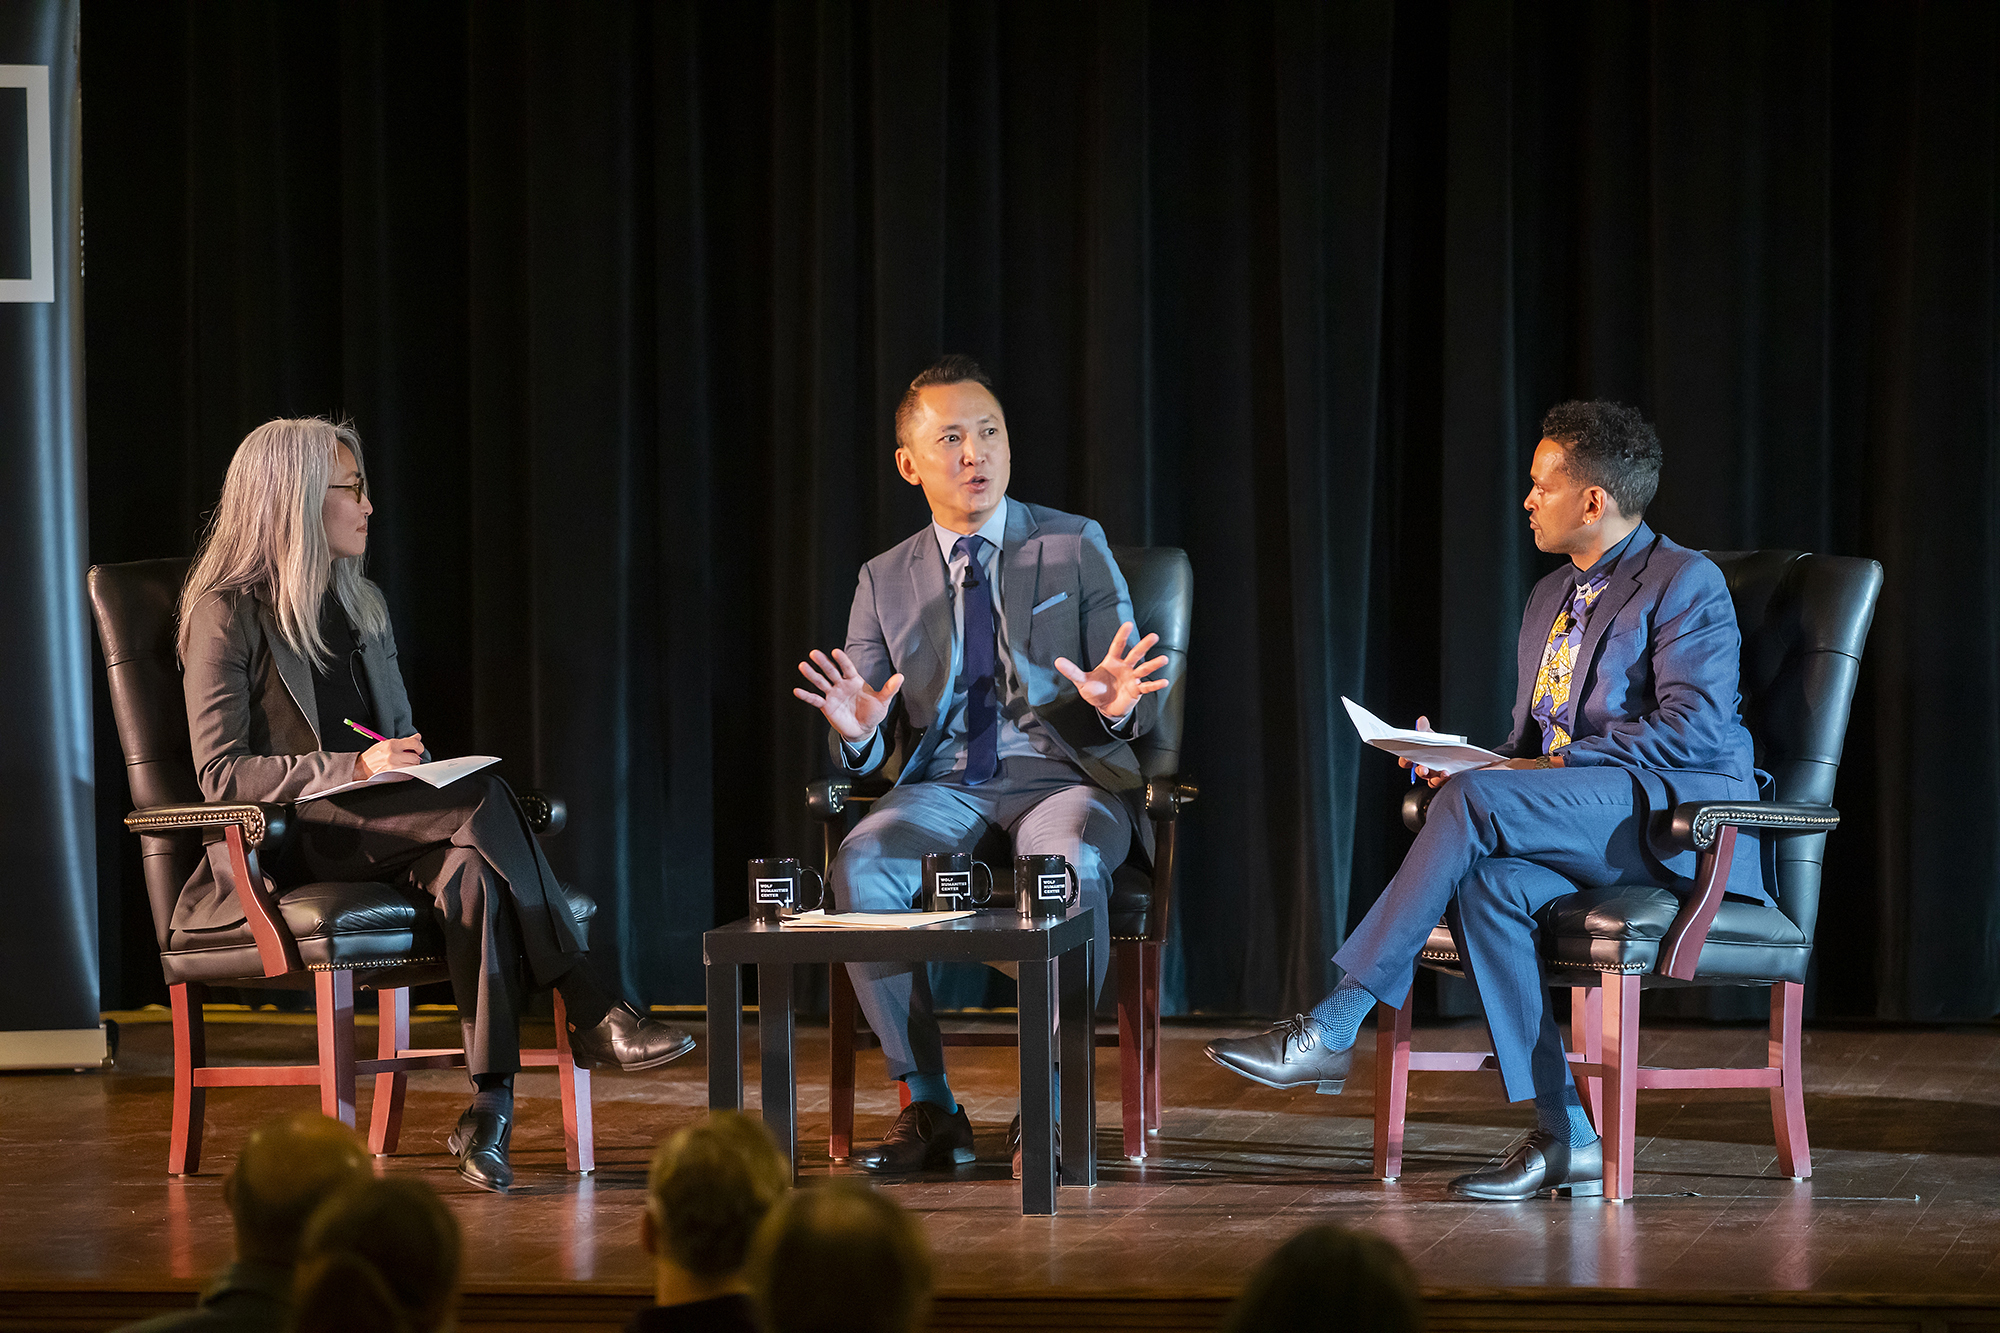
{"type": "Point", "coordinates": [1078, 1159]}
{"type": "Point", "coordinates": [1038, 1111]}
{"type": "Point", "coordinates": [725, 1037]}
{"type": "Point", "coordinates": [774, 1041]}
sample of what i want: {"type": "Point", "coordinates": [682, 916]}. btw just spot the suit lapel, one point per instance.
{"type": "Point", "coordinates": [927, 585]}
{"type": "Point", "coordinates": [1625, 580]}
{"type": "Point", "coordinates": [292, 669]}
{"type": "Point", "coordinates": [1550, 593]}
{"type": "Point", "coordinates": [1020, 573]}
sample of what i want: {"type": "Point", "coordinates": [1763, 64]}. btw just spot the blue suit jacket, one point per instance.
{"type": "Point", "coordinates": [1653, 690]}
{"type": "Point", "coordinates": [1062, 595]}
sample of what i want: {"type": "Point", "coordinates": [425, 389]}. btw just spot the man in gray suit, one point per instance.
{"type": "Point", "coordinates": [963, 646]}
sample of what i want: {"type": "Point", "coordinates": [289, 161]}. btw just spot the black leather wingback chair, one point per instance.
{"type": "Point", "coordinates": [1804, 619]}
{"type": "Point", "coordinates": [322, 937]}
{"type": "Point", "coordinates": [1161, 581]}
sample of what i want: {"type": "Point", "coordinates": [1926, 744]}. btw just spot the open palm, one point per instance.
{"type": "Point", "coordinates": [844, 697]}
{"type": "Point", "coordinates": [1117, 684]}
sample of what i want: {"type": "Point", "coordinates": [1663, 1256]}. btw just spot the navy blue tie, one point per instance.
{"type": "Point", "coordinates": [975, 677]}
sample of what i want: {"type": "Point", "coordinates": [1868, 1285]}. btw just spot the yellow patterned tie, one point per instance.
{"type": "Point", "coordinates": [1550, 702]}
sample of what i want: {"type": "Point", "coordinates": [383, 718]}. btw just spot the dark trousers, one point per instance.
{"type": "Point", "coordinates": [1497, 845]}
{"type": "Point", "coordinates": [467, 850]}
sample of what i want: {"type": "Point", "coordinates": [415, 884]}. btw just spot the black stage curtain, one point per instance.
{"type": "Point", "coordinates": [621, 295]}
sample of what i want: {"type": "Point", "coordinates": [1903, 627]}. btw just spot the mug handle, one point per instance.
{"type": "Point", "coordinates": [1075, 886]}
{"type": "Point", "coordinates": [819, 895]}
{"type": "Point", "coordinates": [978, 901]}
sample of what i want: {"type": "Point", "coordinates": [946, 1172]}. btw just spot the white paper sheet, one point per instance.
{"type": "Point", "coordinates": [1433, 749]}
{"type": "Point", "coordinates": [438, 773]}
{"type": "Point", "coordinates": [819, 920]}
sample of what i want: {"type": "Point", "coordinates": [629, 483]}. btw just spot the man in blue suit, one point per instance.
{"type": "Point", "coordinates": [962, 647]}
{"type": "Point", "coordinates": [1627, 705]}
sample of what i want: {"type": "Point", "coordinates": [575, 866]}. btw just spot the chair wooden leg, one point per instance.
{"type": "Point", "coordinates": [385, 1110]}
{"type": "Point", "coordinates": [1788, 1100]}
{"type": "Point", "coordinates": [1392, 1084]}
{"type": "Point", "coordinates": [333, 995]}
{"type": "Point", "coordinates": [1586, 1026]}
{"type": "Point", "coordinates": [1621, 1082]}
{"type": "Point", "coordinates": [1132, 1069]}
{"type": "Point", "coordinates": [840, 1049]}
{"type": "Point", "coordinates": [579, 1134]}
{"type": "Point", "coordinates": [190, 1054]}
{"type": "Point", "coordinates": [1155, 1102]}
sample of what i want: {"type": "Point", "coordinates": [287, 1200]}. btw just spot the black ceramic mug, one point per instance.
{"type": "Point", "coordinates": [948, 882]}
{"type": "Point", "coordinates": [1044, 886]}
{"type": "Point", "coordinates": [776, 888]}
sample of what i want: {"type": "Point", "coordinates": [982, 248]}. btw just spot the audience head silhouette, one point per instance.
{"type": "Point", "coordinates": [287, 1168]}
{"type": "Point", "coordinates": [380, 1255]}
{"type": "Point", "coordinates": [1328, 1278]}
{"type": "Point", "coordinates": [840, 1258]}
{"type": "Point", "coordinates": [710, 1186]}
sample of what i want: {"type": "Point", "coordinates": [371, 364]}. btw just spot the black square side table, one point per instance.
{"type": "Point", "coordinates": [1055, 961]}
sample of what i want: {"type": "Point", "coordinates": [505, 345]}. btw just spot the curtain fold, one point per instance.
{"type": "Point", "coordinates": [621, 299]}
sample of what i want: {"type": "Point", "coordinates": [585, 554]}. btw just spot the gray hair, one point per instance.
{"type": "Point", "coordinates": [267, 536]}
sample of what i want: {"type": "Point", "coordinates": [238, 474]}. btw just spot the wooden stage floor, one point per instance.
{"type": "Point", "coordinates": [1899, 1228]}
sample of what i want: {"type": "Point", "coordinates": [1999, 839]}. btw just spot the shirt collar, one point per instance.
{"type": "Point", "coordinates": [1606, 562]}
{"type": "Point", "coordinates": [994, 530]}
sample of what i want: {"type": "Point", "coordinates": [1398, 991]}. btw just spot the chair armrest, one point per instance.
{"type": "Point", "coordinates": [248, 827]}
{"type": "Point", "coordinates": [826, 798]}
{"type": "Point", "coordinates": [1416, 805]}
{"type": "Point", "coordinates": [1166, 797]}
{"type": "Point", "coordinates": [260, 822]}
{"type": "Point", "coordinates": [1696, 823]}
{"type": "Point", "coordinates": [546, 813]}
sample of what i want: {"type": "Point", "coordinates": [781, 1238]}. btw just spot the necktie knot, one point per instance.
{"type": "Point", "coordinates": [971, 548]}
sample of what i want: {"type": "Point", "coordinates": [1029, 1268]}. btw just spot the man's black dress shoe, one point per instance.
{"type": "Point", "coordinates": [1541, 1163]}
{"type": "Point", "coordinates": [624, 1040]}
{"type": "Point", "coordinates": [924, 1136]}
{"type": "Point", "coordinates": [480, 1144]}
{"type": "Point", "coordinates": [1290, 1055]}
{"type": "Point", "coordinates": [1014, 1144]}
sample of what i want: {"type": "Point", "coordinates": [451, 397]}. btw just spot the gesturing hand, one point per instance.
{"type": "Point", "coordinates": [850, 707]}
{"type": "Point", "coordinates": [1114, 688]}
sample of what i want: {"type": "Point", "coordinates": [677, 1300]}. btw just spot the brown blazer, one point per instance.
{"type": "Point", "coordinates": [252, 718]}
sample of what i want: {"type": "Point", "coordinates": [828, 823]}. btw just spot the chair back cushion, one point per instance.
{"type": "Point", "coordinates": [1804, 620]}
{"type": "Point", "coordinates": [1162, 583]}
{"type": "Point", "coordinates": [134, 606]}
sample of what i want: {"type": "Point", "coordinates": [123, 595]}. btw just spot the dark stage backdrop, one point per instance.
{"type": "Point", "coordinates": [620, 296]}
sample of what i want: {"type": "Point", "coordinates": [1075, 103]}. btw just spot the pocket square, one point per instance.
{"type": "Point", "coordinates": [1059, 597]}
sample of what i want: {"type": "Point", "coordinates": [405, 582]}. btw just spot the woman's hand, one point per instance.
{"type": "Point", "coordinates": [398, 752]}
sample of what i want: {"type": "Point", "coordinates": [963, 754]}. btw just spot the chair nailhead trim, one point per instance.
{"type": "Point", "coordinates": [1707, 823]}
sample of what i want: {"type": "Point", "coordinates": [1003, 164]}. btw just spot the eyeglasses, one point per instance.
{"type": "Point", "coordinates": [359, 488]}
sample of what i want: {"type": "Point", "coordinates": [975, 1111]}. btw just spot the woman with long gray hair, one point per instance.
{"type": "Point", "coordinates": [283, 640]}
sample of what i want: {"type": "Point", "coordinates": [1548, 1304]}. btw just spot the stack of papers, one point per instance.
{"type": "Point", "coordinates": [437, 773]}
{"type": "Point", "coordinates": [819, 920]}
{"type": "Point", "coordinates": [1434, 750]}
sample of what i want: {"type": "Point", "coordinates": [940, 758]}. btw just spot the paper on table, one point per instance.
{"type": "Point", "coordinates": [1433, 749]}
{"type": "Point", "coordinates": [438, 773]}
{"type": "Point", "coordinates": [819, 920]}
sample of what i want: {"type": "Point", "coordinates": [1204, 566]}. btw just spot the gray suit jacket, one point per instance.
{"type": "Point", "coordinates": [1653, 690]}
{"type": "Point", "coordinates": [1062, 596]}
{"type": "Point", "coordinates": [252, 720]}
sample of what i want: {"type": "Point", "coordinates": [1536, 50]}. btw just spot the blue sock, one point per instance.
{"type": "Point", "coordinates": [1561, 1114]}
{"type": "Point", "coordinates": [932, 1088]}
{"type": "Point", "coordinates": [1336, 1020]}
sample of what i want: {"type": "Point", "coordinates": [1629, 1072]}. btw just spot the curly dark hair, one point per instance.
{"type": "Point", "coordinates": [1610, 445]}
{"type": "Point", "coordinates": [951, 368]}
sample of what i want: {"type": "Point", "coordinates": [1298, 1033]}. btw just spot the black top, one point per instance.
{"type": "Point", "coordinates": [341, 687]}
{"type": "Point", "coordinates": [724, 1314]}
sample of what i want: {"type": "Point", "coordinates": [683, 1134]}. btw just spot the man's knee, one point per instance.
{"type": "Point", "coordinates": [868, 876]}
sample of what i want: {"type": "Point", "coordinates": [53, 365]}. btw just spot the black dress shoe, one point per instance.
{"type": "Point", "coordinates": [1014, 1144]}
{"type": "Point", "coordinates": [1290, 1055]}
{"type": "Point", "coordinates": [624, 1040]}
{"type": "Point", "coordinates": [480, 1144]}
{"type": "Point", "coordinates": [924, 1136]}
{"type": "Point", "coordinates": [1541, 1163]}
